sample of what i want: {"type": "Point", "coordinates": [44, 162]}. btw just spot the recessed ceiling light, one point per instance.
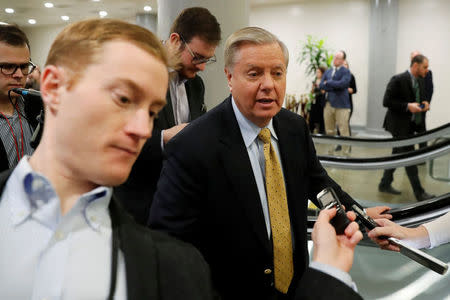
{"type": "Point", "coordinates": [65, 18]}
{"type": "Point", "coordinates": [95, 0]}
{"type": "Point", "coordinates": [48, 4]}
{"type": "Point", "coordinates": [147, 8]}
{"type": "Point", "coordinates": [32, 21]}
{"type": "Point", "coordinates": [102, 13]}
{"type": "Point", "coordinates": [9, 10]}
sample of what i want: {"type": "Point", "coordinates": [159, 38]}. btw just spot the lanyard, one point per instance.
{"type": "Point", "coordinates": [16, 142]}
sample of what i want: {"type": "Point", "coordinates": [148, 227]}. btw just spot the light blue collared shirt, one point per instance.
{"type": "Point", "coordinates": [255, 151]}
{"type": "Point", "coordinates": [47, 255]}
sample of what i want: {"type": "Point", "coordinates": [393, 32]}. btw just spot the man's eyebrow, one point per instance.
{"type": "Point", "coordinates": [129, 83]}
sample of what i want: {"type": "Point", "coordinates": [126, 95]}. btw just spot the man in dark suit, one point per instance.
{"type": "Point", "coordinates": [429, 89]}
{"type": "Point", "coordinates": [63, 234]}
{"type": "Point", "coordinates": [337, 108]}
{"type": "Point", "coordinates": [212, 190]}
{"type": "Point", "coordinates": [17, 116]}
{"type": "Point", "coordinates": [193, 39]}
{"type": "Point", "coordinates": [405, 100]}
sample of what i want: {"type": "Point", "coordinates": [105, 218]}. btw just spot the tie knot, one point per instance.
{"type": "Point", "coordinates": [264, 135]}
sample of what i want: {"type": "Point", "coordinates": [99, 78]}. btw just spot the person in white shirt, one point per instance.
{"type": "Point", "coordinates": [428, 235]}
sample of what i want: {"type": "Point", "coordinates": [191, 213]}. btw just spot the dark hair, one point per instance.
{"type": "Point", "coordinates": [13, 35]}
{"type": "Point", "coordinates": [197, 21]}
{"type": "Point", "coordinates": [322, 69]}
{"type": "Point", "coordinates": [343, 53]}
{"type": "Point", "coordinates": [419, 58]}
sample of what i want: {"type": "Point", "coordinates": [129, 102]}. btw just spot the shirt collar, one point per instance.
{"type": "Point", "coordinates": [248, 129]}
{"type": "Point", "coordinates": [34, 196]}
{"type": "Point", "coordinates": [175, 77]}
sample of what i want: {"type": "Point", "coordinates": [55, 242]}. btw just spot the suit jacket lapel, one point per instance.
{"type": "Point", "coordinates": [167, 112]}
{"type": "Point", "coordinates": [140, 261]}
{"type": "Point", "coordinates": [240, 173]}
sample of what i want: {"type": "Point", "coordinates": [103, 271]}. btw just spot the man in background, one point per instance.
{"type": "Point", "coordinates": [429, 89]}
{"type": "Point", "coordinates": [17, 117]}
{"type": "Point", "coordinates": [192, 42]}
{"type": "Point", "coordinates": [405, 100]}
{"type": "Point", "coordinates": [335, 82]}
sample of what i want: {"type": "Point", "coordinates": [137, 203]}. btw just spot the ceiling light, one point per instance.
{"type": "Point", "coordinates": [48, 4]}
{"type": "Point", "coordinates": [32, 21]}
{"type": "Point", "coordinates": [65, 18]}
{"type": "Point", "coordinates": [9, 10]}
{"type": "Point", "coordinates": [95, 0]}
{"type": "Point", "coordinates": [102, 13]}
{"type": "Point", "coordinates": [147, 8]}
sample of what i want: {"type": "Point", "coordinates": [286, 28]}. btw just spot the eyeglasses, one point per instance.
{"type": "Point", "coordinates": [199, 60]}
{"type": "Point", "coordinates": [9, 69]}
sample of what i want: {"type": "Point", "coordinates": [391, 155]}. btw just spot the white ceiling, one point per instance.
{"type": "Point", "coordinates": [82, 9]}
{"type": "Point", "coordinates": [75, 9]}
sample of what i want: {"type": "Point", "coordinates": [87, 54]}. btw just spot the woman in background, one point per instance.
{"type": "Point", "coordinates": [316, 123]}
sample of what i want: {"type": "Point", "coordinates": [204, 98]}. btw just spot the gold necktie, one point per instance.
{"type": "Point", "coordinates": [279, 216]}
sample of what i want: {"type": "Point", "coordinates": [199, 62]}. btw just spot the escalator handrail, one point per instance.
{"type": "Point", "coordinates": [388, 162]}
{"type": "Point", "coordinates": [437, 132]}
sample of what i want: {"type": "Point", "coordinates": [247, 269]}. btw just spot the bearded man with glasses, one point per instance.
{"type": "Point", "coordinates": [191, 44]}
{"type": "Point", "coordinates": [17, 117]}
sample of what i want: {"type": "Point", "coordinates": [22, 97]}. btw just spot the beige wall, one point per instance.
{"type": "Point", "coordinates": [425, 26]}
{"type": "Point", "coordinates": [422, 25]}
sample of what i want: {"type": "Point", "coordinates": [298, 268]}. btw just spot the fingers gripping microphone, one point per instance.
{"type": "Point", "coordinates": [26, 92]}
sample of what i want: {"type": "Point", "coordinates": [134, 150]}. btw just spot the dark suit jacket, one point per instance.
{"type": "Point", "coordinates": [136, 194]}
{"type": "Point", "coordinates": [337, 87]}
{"type": "Point", "coordinates": [207, 195]}
{"type": "Point", "coordinates": [32, 109]}
{"type": "Point", "coordinates": [157, 266]}
{"type": "Point", "coordinates": [399, 93]}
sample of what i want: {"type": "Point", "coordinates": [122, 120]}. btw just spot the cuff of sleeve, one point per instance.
{"type": "Point", "coordinates": [334, 272]}
{"type": "Point", "coordinates": [435, 234]}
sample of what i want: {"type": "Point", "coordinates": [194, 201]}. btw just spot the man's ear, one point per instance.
{"type": "Point", "coordinates": [174, 39]}
{"type": "Point", "coordinates": [229, 76]}
{"type": "Point", "coordinates": [51, 81]}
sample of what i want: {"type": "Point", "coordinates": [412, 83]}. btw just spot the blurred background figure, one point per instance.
{"type": "Point", "coordinates": [351, 90]}
{"type": "Point", "coordinates": [316, 123]}
{"type": "Point", "coordinates": [429, 89]}
{"type": "Point", "coordinates": [34, 79]}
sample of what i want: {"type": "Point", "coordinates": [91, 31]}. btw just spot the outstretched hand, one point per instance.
{"type": "Point", "coordinates": [332, 249]}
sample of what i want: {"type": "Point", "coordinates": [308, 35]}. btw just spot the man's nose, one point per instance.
{"type": "Point", "coordinates": [18, 73]}
{"type": "Point", "coordinates": [267, 82]}
{"type": "Point", "coordinates": [140, 125]}
{"type": "Point", "coordinates": [201, 67]}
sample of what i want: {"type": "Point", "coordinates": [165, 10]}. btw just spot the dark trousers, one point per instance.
{"type": "Point", "coordinates": [411, 171]}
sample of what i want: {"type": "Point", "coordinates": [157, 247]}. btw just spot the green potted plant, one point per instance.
{"type": "Point", "coordinates": [314, 54]}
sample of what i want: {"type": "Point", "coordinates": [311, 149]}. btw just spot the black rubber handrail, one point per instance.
{"type": "Point", "coordinates": [437, 132]}
{"type": "Point", "coordinates": [387, 162]}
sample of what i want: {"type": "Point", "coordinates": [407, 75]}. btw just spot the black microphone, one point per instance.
{"type": "Point", "coordinates": [26, 92]}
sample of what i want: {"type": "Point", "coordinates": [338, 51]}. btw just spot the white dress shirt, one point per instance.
{"type": "Point", "coordinates": [45, 255]}
{"type": "Point", "coordinates": [439, 230]}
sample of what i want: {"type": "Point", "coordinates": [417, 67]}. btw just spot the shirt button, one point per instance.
{"type": "Point", "coordinates": [267, 271]}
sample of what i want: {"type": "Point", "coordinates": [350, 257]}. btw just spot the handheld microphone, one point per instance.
{"type": "Point", "coordinates": [26, 92]}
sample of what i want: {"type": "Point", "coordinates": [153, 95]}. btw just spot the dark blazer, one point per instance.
{"type": "Point", "coordinates": [207, 195]}
{"type": "Point", "coordinates": [355, 90]}
{"type": "Point", "coordinates": [337, 87]}
{"type": "Point", "coordinates": [136, 194]}
{"type": "Point", "coordinates": [399, 93]}
{"type": "Point", "coordinates": [157, 266]}
{"type": "Point", "coordinates": [32, 109]}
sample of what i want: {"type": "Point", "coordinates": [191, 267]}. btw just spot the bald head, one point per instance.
{"type": "Point", "coordinates": [414, 54]}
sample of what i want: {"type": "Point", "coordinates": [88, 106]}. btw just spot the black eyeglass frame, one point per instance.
{"type": "Point", "coordinates": [195, 59]}
{"type": "Point", "coordinates": [29, 67]}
